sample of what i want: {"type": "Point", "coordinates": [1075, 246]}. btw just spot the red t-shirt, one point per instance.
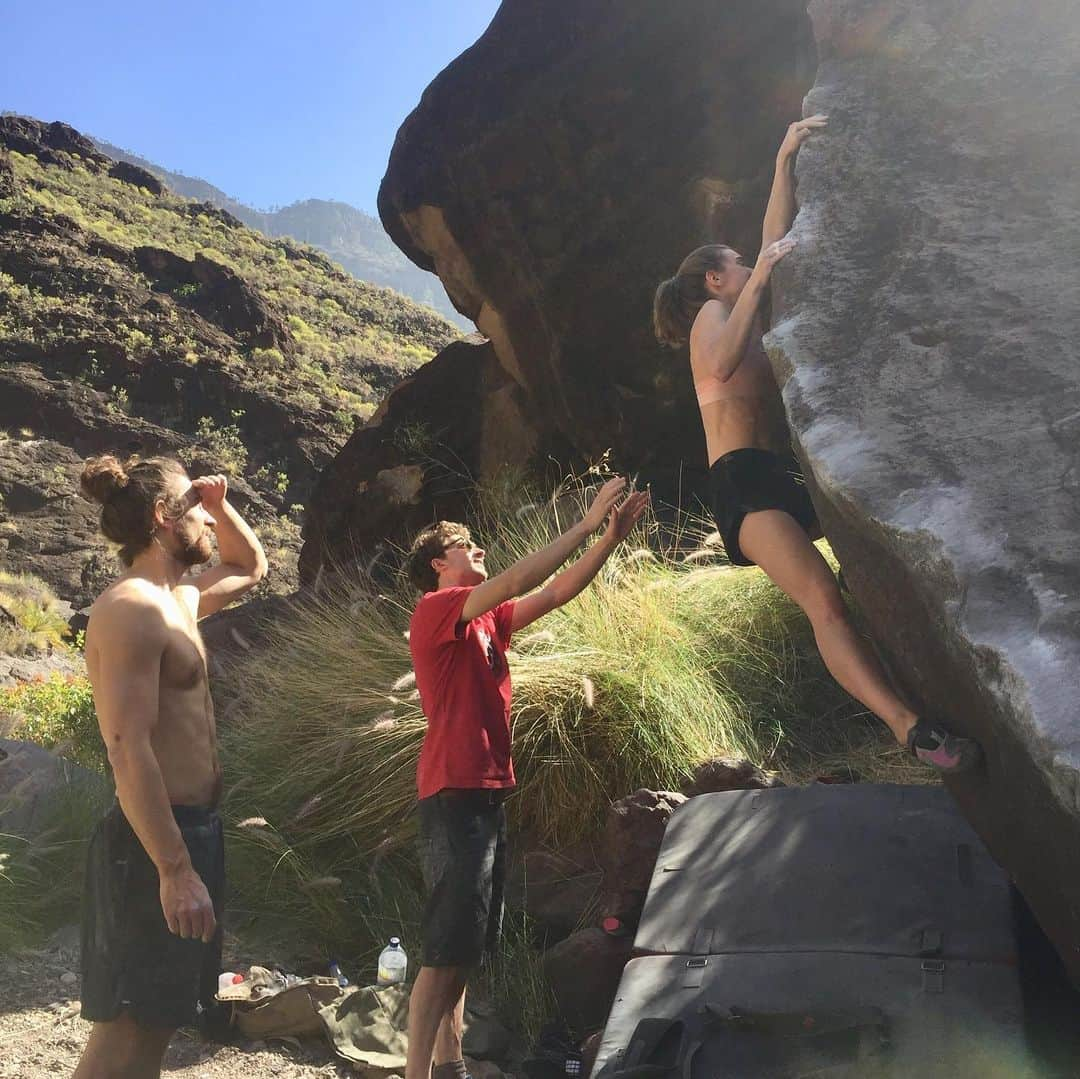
{"type": "Point", "coordinates": [464, 686]}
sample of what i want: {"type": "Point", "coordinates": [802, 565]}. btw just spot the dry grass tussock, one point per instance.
{"type": "Point", "coordinates": [30, 619]}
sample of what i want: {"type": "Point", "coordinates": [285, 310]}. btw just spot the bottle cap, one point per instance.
{"type": "Point", "coordinates": [612, 926]}
{"type": "Point", "coordinates": [395, 942]}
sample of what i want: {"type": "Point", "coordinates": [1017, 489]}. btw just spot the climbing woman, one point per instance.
{"type": "Point", "coordinates": [762, 508]}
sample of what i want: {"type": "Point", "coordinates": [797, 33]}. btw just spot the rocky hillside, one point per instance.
{"type": "Point", "coordinates": [132, 319]}
{"type": "Point", "coordinates": [349, 236]}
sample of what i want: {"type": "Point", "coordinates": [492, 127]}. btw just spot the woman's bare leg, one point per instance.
{"type": "Point", "coordinates": [777, 543]}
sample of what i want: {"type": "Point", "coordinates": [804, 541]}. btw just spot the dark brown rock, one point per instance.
{"type": "Point", "coordinates": [583, 972]}
{"type": "Point", "coordinates": [926, 336]}
{"type": "Point", "coordinates": [7, 174]}
{"type": "Point", "coordinates": [557, 889]}
{"type": "Point", "coordinates": [552, 176]}
{"type": "Point", "coordinates": [132, 174]}
{"type": "Point", "coordinates": [53, 143]}
{"type": "Point", "coordinates": [220, 295]}
{"type": "Point", "coordinates": [486, 1038]}
{"type": "Point", "coordinates": [632, 837]}
{"type": "Point", "coordinates": [728, 774]}
{"type": "Point", "coordinates": [460, 418]}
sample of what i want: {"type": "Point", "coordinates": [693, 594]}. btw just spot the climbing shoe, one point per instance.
{"type": "Point", "coordinates": [948, 753]}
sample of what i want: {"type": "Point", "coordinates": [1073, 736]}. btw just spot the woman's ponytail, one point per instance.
{"type": "Point", "coordinates": [679, 299]}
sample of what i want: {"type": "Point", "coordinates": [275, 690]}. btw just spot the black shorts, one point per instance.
{"type": "Point", "coordinates": [130, 960]}
{"type": "Point", "coordinates": [463, 856]}
{"type": "Point", "coordinates": [745, 481]}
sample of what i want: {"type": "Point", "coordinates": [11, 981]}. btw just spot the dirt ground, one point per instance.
{"type": "Point", "coordinates": [41, 1033]}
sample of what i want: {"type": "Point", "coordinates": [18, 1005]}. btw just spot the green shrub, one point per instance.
{"type": "Point", "coordinates": [57, 713]}
{"type": "Point", "coordinates": [225, 444]}
{"type": "Point", "coordinates": [268, 357]}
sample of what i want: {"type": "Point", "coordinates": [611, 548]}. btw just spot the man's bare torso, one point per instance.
{"type": "Point", "coordinates": [184, 739]}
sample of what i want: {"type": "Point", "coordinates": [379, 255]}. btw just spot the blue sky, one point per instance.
{"type": "Point", "coordinates": [272, 101]}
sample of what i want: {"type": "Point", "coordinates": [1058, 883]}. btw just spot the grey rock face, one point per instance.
{"type": "Point", "coordinates": [926, 332]}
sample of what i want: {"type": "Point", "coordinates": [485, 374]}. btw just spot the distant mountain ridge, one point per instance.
{"type": "Point", "coordinates": [349, 236]}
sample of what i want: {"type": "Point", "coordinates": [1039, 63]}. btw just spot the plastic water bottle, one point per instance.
{"type": "Point", "coordinates": [335, 972]}
{"type": "Point", "coordinates": [393, 963]}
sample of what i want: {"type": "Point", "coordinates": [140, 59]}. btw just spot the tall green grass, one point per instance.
{"type": "Point", "coordinates": [670, 658]}
{"type": "Point", "coordinates": [41, 874]}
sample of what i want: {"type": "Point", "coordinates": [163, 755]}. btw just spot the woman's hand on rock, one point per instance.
{"type": "Point", "coordinates": [771, 255]}
{"type": "Point", "coordinates": [799, 132]}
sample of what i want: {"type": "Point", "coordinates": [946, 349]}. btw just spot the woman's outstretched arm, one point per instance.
{"type": "Point", "coordinates": [780, 211]}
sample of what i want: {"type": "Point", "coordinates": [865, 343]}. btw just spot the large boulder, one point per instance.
{"type": "Point", "coordinates": [556, 889]}
{"type": "Point", "coordinates": [552, 175]}
{"type": "Point", "coordinates": [926, 338]}
{"type": "Point", "coordinates": [556, 171]}
{"type": "Point", "coordinates": [31, 781]}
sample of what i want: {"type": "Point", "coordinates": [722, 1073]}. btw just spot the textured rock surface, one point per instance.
{"type": "Point", "coordinates": [632, 837]}
{"type": "Point", "coordinates": [583, 972]}
{"type": "Point", "coordinates": [927, 331]}
{"type": "Point", "coordinates": [552, 176]}
{"type": "Point", "coordinates": [557, 889]}
{"type": "Point", "coordinates": [459, 419]}
{"type": "Point", "coordinates": [728, 774]}
{"type": "Point", "coordinates": [29, 777]}
{"type": "Point", "coordinates": [564, 164]}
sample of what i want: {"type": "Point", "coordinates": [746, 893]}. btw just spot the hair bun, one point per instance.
{"type": "Point", "coordinates": [102, 477]}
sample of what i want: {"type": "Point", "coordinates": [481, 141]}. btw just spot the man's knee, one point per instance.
{"type": "Point", "coordinates": [444, 985]}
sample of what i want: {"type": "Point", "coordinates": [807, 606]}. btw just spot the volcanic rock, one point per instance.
{"type": "Point", "coordinates": [926, 337]}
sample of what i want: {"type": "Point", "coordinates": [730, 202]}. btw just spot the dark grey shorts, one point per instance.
{"type": "Point", "coordinates": [130, 960]}
{"type": "Point", "coordinates": [463, 856]}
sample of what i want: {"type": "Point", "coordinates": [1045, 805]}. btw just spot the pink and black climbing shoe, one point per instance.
{"type": "Point", "coordinates": [948, 753]}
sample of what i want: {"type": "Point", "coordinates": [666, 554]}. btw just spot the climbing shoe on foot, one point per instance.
{"type": "Point", "coordinates": [948, 753]}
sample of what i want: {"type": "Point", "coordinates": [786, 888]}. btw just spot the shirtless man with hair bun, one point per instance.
{"type": "Point", "coordinates": [151, 936]}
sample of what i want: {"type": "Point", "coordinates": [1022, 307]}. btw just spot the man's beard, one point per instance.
{"type": "Point", "coordinates": [193, 552]}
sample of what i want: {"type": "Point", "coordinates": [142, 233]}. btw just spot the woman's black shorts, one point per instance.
{"type": "Point", "coordinates": [130, 960]}
{"type": "Point", "coordinates": [745, 481]}
{"type": "Point", "coordinates": [463, 856]}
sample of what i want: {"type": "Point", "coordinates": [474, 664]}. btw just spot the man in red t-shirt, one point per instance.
{"type": "Point", "coordinates": [458, 637]}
